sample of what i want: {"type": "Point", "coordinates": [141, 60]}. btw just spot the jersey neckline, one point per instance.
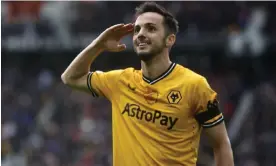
{"type": "Point", "coordinates": [162, 76]}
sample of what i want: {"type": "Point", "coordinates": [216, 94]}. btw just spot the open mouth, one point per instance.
{"type": "Point", "coordinates": [143, 44]}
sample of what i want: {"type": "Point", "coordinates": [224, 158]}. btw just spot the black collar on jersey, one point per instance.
{"type": "Point", "coordinates": [163, 75]}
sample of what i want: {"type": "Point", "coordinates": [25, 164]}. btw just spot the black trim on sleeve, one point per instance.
{"type": "Point", "coordinates": [212, 124]}
{"type": "Point", "coordinates": [211, 112]}
{"type": "Point", "coordinates": [94, 94]}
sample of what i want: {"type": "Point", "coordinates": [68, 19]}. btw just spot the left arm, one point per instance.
{"type": "Point", "coordinates": [220, 143]}
{"type": "Point", "coordinates": [211, 119]}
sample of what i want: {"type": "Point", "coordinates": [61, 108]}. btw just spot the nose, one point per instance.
{"type": "Point", "coordinates": [141, 35]}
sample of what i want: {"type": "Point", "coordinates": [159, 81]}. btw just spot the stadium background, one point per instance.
{"type": "Point", "coordinates": [45, 123]}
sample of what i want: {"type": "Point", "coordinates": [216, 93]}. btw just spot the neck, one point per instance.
{"type": "Point", "coordinates": [155, 66]}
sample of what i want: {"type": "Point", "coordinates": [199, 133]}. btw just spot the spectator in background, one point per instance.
{"type": "Point", "coordinates": [20, 11]}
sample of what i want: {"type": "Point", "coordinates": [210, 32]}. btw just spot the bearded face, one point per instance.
{"type": "Point", "coordinates": [149, 35]}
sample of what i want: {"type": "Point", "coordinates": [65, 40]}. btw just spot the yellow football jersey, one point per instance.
{"type": "Point", "coordinates": [156, 122]}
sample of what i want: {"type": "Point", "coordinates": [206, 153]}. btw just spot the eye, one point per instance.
{"type": "Point", "coordinates": [136, 30]}
{"type": "Point", "coordinates": [151, 29]}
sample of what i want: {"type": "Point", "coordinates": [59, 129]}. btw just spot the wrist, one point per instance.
{"type": "Point", "coordinates": [95, 45]}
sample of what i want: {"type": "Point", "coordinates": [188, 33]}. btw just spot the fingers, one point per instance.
{"type": "Point", "coordinates": [121, 30]}
{"type": "Point", "coordinates": [116, 27]}
{"type": "Point", "coordinates": [129, 25]}
{"type": "Point", "coordinates": [119, 27]}
{"type": "Point", "coordinates": [121, 47]}
{"type": "Point", "coordinates": [125, 30]}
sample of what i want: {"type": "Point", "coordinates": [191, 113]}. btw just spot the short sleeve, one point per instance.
{"type": "Point", "coordinates": [207, 111]}
{"type": "Point", "coordinates": [103, 83]}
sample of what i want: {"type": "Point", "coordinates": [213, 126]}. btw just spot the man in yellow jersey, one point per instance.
{"type": "Point", "coordinates": [158, 112]}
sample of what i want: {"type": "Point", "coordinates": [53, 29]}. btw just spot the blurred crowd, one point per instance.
{"type": "Point", "coordinates": [45, 123]}
{"type": "Point", "coordinates": [63, 18]}
{"type": "Point", "coordinates": [90, 16]}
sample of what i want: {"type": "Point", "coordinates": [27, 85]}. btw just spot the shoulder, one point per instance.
{"type": "Point", "coordinates": [116, 72]}
{"type": "Point", "coordinates": [126, 73]}
{"type": "Point", "coordinates": [189, 76]}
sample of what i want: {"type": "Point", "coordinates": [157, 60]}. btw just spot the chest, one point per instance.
{"type": "Point", "coordinates": [165, 107]}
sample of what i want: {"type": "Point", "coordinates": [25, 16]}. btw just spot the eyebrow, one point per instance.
{"type": "Point", "coordinates": [146, 24]}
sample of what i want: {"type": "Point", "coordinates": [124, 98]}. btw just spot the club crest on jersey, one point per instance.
{"type": "Point", "coordinates": [174, 97]}
{"type": "Point", "coordinates": [151, 96]}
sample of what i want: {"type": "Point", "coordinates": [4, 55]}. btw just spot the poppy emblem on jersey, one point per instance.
{"type": "Point", "coordinates": [151, 96]}
{"type": "Point", "coordinates": [174, 97]}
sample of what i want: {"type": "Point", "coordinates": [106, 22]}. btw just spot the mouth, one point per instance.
{"type": "Point", "coordinates": [143, 44]}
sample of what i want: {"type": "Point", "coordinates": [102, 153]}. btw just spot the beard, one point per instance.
{"type": "Point", "coordinates": [147, 56]}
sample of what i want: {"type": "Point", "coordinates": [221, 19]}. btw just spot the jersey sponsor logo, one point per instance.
{"type": "Point", "coordinates": [134, 111]}
{"type": "Point", "coordinates": [174, 97]}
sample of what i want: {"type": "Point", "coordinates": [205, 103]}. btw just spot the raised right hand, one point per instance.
{"type": "Point", "coordinates": [109, 40]}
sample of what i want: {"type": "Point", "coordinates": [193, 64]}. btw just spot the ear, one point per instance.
{"type": "Point", "coordinates": [170, 40]}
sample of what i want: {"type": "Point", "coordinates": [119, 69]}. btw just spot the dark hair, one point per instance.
{"type": "Point", "coordinates": [170, 22]}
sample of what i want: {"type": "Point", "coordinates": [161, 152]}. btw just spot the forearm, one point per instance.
{"type": "Point", "coordinates": [81, 64]}
{"type": "Point", "coordinates": [223, 155]}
